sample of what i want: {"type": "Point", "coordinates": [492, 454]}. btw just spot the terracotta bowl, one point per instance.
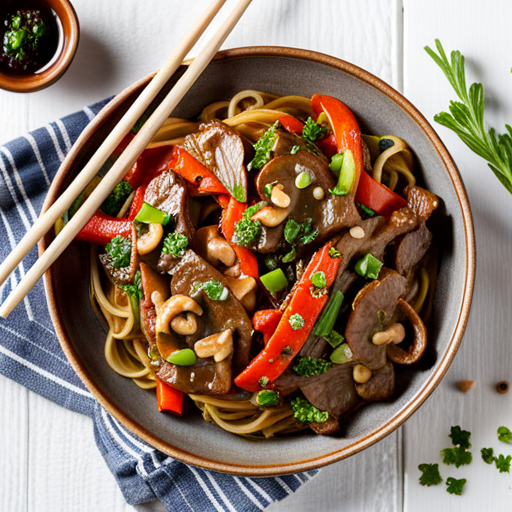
{"type": "Point", "coordinates": [69, 36]}
{"type": "Point", "coordinates": [380, 110]}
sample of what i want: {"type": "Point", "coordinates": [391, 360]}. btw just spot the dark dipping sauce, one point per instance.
{"type": "Point", "coordinates": [30, 35]}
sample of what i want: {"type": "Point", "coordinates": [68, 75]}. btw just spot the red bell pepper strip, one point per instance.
{"type": "Point", "coordinates": [195, 172]}
{"type": "Point", "coordinates": [346, 130]}
{"type": "Point", "coordinates": [223, 200]}
{"type": "Point", "coordinates": [328, 145]}
{"type": "Point", "coordinates": [266, 322]}
{"type": "Point", "coordinates": [101, 228]}
{"type": "Point", "coordinates": [169, 399]}
{"type": "Point", "coordinates": [150, 164]}
{"type": "Point", "coordinates": [378, 197]}
{"type": "Point", "coordinates": [286, 342]}
{"type": "Point", "coordinates": [291, 124]}
{"type": "Point", "coordinates": [230, 216]}
{"type": "Point", "coordinates": [248, 261]}
{"type": "Point", "coordinates": [138, 201]}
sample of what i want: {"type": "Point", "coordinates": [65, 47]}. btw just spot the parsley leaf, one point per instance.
{"type": "Point", "coordinates": [306, 412]}
{"type": "Point", "coordinates": [503, 463]}
{"type": "Point", "coordinates": [135, 289]}
{"type": "Point", "coordinates": [487, 455]}
{"type": "Point", "coordinates": [460, 437]}
{"type": "Point", "coordinates": [120, 251]}
{"type": "Point", "coordinates": [430, 474]}
{"type": "Point", "coordinates": [308, 233]}
{"type": "Point", "coordinates": [291, 230]}
{"type": "Point", "coordinates": [309, 366]}
{"type": "Point", "coordinates": [263, 148]}
{"type": "Point", "coordinates": [505, 435]}
{"type": "Point", "coordinates": [215, 290]}
{"type": "Point", "coordinates": [175, 244]}
{"type": "Point", "coordinates": [455, 486]}
{"type": "Point", "coordinates": [247, 230]}
{"type": "Point", "coordinates": [296, 321]}
{"type": "Point", "coordinates": [458, 456]}
{"type": "Point", "coordinates": [313, 131]}
{"type": "Point", "coordinates": [466, 117]}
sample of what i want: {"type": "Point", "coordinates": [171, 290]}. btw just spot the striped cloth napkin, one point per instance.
{"type": "Point", "coordinates": [31, 355]}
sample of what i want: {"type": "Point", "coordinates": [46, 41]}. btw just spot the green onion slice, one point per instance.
{"type": "Point", "coordinates": [368, 267]}
{"type": "Point", "coordinates": [274, 281]}
{"type": "Point", "coordinates": [150, 215]}
{"type": "Point", "coordinates": [329, 314]}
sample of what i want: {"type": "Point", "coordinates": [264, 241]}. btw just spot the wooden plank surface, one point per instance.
{"type": "Point", "coordinates": [480, 30]}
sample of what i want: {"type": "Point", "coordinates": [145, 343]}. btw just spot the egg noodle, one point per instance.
{"type": "Point", "coordinates": [126, 348]}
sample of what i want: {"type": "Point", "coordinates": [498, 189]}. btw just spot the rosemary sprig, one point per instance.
{"type": "Point", "coordinates": [466, 117]}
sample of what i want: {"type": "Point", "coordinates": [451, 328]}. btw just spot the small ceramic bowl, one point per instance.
{"type": "Point", "coordinates": [69, 29]}
{"type": "Point", "coordinates": [380, 110]}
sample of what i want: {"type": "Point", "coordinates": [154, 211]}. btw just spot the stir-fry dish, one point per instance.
{"type": "Point", "coordinates": [266, 262]}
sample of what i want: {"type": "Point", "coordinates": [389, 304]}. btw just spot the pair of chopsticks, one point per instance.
{"type": "Point", "coordinates": [125, 161]}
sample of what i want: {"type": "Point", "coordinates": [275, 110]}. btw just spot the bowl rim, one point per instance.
{"type": "Point", "coordinates": [426, 389]}
{"type": "Point", "coordinates": [71, 35]}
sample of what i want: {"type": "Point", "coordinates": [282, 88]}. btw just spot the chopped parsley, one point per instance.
{"type": "Point", "coordinates": [295, 150]}
{"type": "Point", "coordinates": [215, 290]}
{"type": "Point", "coordinates": [458, 456]}
{"type": "Point", "coordinates": [313, 131]}
{"type": "Point", "coordinates": [291, 230]}
{"type": "Point", "coordinates": [306, 412]}
{"type": "Point", "coordinates": [505, 435]}
{"type": "Point", "coordinates": [368, 211]}
{"type": "Point", "coordinates": [247, 230]}
{"type": "Point", "coordinates": [455, 486]}
{"type": "Point", "coordinates": [115, 201]}
{"type": "Point", "coordinates": [135, 289]}
{"type": "Point", "coordinates": [296, 321]}
{"type": "Point", "coordinates": [334, 253]}
{"type": "Point", "coordinates": [120, 251]}
{"type": "Point", "coordinates": [487, 455]}
{"type": "Point", "coordinates": [264, 148]}
{"type": "Point", "coordinates": [175, 244]}
{"type": "Point", "coordinates": [430, 474]}
{"type": "Point", "coordinates": [503, 463]}
{"type": "Point", "coordinates": [309, 366]}
{"type": "Point", "coordinates": [289, 257]}
{"type": "Point", "coordinates": [267, 397]}
{"type": "Point", "coordinates": [460, 437]}
{"type": "Point", "coordinates": [308, 234]}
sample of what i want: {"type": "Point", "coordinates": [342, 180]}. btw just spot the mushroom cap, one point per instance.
{"type": "Point", "coordinates": [373, 308]}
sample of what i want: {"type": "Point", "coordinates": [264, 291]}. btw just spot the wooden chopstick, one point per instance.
{"type": "Point", "coordinates": [120, 167]}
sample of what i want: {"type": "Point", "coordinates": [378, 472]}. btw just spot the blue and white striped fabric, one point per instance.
{"type": "Point", "coordinates": [31, 355]}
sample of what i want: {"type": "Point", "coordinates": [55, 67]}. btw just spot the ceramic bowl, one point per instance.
{"type": "Point", "coordinates": [68, 42]}
{"type": "Point", "coordinates": [380, 110]}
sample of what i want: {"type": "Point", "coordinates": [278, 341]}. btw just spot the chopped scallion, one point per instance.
{"type": "Point", "coordinates": [274, 281]}
{"type": "Point", "coordinates": [150, 215]}
{"type": "Point", "coordinates": [342, 354]}
{"type": "Point", "coordinates": [368, 267]}
{"type": "Point", "coordinates": [329, 314]}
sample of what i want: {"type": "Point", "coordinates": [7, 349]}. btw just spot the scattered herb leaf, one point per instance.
{"type": "Point", "coordinates": [263, 148]}
{"type": "Point", "coordinates": [505, 435]}
{"type": "Point", "coordinates": [430, 474]}
{"type": "Point", "coordinates": [175, 244]}
{"type": "Point", "coordinates": [309, 366]}
{"type": "Point", "coordinates": [306, 412]}
{"type": "Point", "coordinates": [120, 251]}
{"type": "Point", "coordinates": [296, 321]}
{"type": "Point", "coordinates": [455, 486]}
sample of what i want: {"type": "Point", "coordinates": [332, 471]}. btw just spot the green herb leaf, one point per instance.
{"type": "Point", "coordinates": [503, 463]}
{"type": "Point", "coordinates": [334, 253]}
{"type": "Point", "coordinates": [120, 251]}
{"type": "Point", "coordinates": [458, 456]}
{"type": "Point", "coordinates": [430, 474]}
{"type": "Point", "coordinates": [309, 366]}
{"type": "Point", "coordinates": [460, 437]}
{"type": "Point", "coordinates": [294, 150]}
{"type": "Point", "coordinates": [263, 148]}
{"type": "Point", "coordinates": [291, 231]}
{"type": "Point", "coordinates": [313, 131]}
{"type": "Point", "coordinates": [135, 289]}
{"type": "Point", "coordinates": [289, 257]}
{"type": "Point", "coordinates": [466, 118]}
{"type": "Point", "coordinates": [248, 231]}
{"type": "Point", "coordinates": [505, 435]}
{"type": "Point", "coordinates": [115, 201]}
{"type": "Point", "coordinates": [455, 486]}
{"type": "Point", "coordinates": [296, 321]}
{"type": "Point", "coordinates": [308, 234]}
{"type": "Point", "coordinates": [175, 244]}
{"type": "Point", "coordinates": [487, 455]}
{"type": "Point", "coordinates": [267, 397]}
{"type": "Point", "coordinates": [215, 290]}
{"type": "Point", "coordinates": [307, 413]}
{"type": "Point", "coordinates": [366, 210]}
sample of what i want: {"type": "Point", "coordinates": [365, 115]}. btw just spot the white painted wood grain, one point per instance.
{"type": "Point", "coordinates": [51, 462]}
{"type": "Point", "coordinates": [481, 32]}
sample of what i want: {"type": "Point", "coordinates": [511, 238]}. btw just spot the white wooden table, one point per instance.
{"type": "Point", "coordinates": [48, 459]}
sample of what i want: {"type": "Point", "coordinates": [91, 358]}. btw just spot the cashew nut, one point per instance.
{"type": "Point", "coordinates": [271, 217]}
{"type": "Point", "coordinates": [279, 197]}
{"type": "Point", "coordinates": [149, 241]}
{"type": "Point", "coordinates": [184, 324]}
{"type": "Point", "coordinates": [218, 345]}
{"type": "Point", "coordinates": [244, 289]}
{"type": "Point", "coordinates": [393, 334]}
{"type": "Point", "coordinates": [213, 247]}
{"type": "Point", "coordinates": [361, 374]}
{"type": "Point", "coordinates": [174, 306]}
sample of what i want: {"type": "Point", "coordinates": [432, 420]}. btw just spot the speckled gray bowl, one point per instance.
{"type": "Point", "coordinates": [381, 110]}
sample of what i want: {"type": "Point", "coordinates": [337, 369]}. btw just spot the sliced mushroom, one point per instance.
{"type": "Point", "coordinates": [381, 386]}
{"type": "Point", "coordinates": [417, 348]}
{"type": "Point", "coordinates": [213, 247]}
{"type": "Point", "coordinates": [374, 310]}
